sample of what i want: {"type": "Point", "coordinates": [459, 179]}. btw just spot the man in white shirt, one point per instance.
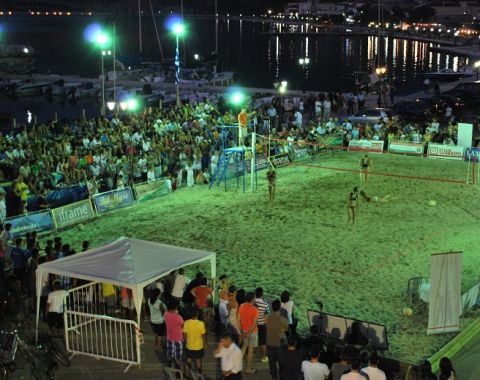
{"type": "Point", "coordinates": [312, 369]}
{"type": "Point", "coordinates": [180, 284]}
{"type": "Point", "coordinates": [298, 119]}
{"type": "Point", "coordinates": [354, 374]}
{"type": "Point", "coordinates": [231, 356]}
{"type": "Point", "coordinates": [55, 302]}
{"type": "Point", "coordinates": [372, 370]}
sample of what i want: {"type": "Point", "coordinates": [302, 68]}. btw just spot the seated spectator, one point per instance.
{"type": "Point", "coordinates": [312, 369]}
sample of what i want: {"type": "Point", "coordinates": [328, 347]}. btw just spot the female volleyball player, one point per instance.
{"type": "Point", "coordinates": [384, 199]}
{"type": "Point", "coordinates": [272, 179]}
{"type": "Point", "coordinates": [352, 206]}
{"type": "Point", "coordinates": [365, 166]}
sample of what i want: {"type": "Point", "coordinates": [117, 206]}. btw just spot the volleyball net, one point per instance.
{"type": "Point", "coordinates": [402, 160]}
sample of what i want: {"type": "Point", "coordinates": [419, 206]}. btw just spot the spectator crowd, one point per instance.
{"type": "Point", "coordinates": [181, 143]}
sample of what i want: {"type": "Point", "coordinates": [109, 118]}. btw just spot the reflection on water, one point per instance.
{"type": "Point", "coordinates": [260, 58]}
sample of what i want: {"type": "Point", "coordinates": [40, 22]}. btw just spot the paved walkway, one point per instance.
{"type": "Point", "coordinates": [86, 368]}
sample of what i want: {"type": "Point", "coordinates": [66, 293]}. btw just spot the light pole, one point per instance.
{"type": "Point", "coordinates": [304, 62]}
{"type": "Point", "coordinates": [281, 87]}
{"type": "Point", "coordinates": [178, 29]}
{"type": "Point", "coordinates": [104, 53]}
{"type": "Point", "coordinates": [477, 66]}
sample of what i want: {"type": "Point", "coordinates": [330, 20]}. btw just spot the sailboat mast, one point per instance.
{"type": "Point", "coordinates": [140, 27]}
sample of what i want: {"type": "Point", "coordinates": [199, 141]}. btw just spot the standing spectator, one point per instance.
{"type": "Point", "coordinates": [126, 300]}
{"type": "Point", "coordinates": [354, 374]}
{"type": "Point", "coordinates": [313, 339]}
{"type": "Point", "coordinates": [291, 361]}
{"type": "Point", "coordinates": [339, 368]}
{"type": "Point", "coordinates": [202, 293]}
{"type": "Point", "coordinates": [174, 326]}
{"type": "Point", "coordinates": [195, 340]}
{"type": "Point", "coordinates": [331, 355]}
{"type": "Point", "coordinates": [19, 260]}
{"type": "Point", "coordinates": [263, 311]}
{"type": "Point", "coordinates": [157, 310]}
{"type": "Point", "coordinates": [287, 305]}
{"type": "Point", "coordinates": [55, 303]}
{"type": "Point", "coordinates": [247, 318]}
{"type": "Point", "coordinates": [3, 208]}
{"type": "Point", "coordinates": [110, 297]}
{"type": "Point", "coordinates": [3, 250]}
{"type": "Point", "coordinates": [426, 371]}
{"type": "Point", "coordinates": [276, 327]}
{"type": "Point", "coordinates": [179, 285]}
{"type": "Point", "coordinates": [373, 372]}
{"type": "Point", "coordinates": [312, 369]}
{"type": "Point", "coordinates": [446, 370]}
{"type": "Point", "coordinates": [231, 357]}
{"type": "Point", "coordinates": [426, 86]}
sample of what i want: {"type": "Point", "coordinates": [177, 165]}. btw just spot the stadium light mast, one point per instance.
{"type": "Point", "coordinates": [178, 30]}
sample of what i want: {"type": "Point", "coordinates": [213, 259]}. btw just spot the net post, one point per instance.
{"type": "Point", "coordinates": [468, 172]}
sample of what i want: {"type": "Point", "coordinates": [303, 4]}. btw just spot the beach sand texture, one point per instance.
{"type": "Point", "coordinates": [303, 244]}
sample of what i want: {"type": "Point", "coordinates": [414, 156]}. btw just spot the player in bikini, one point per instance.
{"type": "Point", "coordinates": [272, 179]}
{"type": "Point", "coordinates": [365, 166]}
{"type": "Point", "coordinates": [352, 206]}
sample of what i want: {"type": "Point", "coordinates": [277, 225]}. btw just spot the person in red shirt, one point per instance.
{"type": "Point", "coordinates": [202, 293]}
{"type": "Point", "coordinates": [247, 320]}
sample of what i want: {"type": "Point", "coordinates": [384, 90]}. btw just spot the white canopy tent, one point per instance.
{"type": "Point", "coordinates": [127, 262]}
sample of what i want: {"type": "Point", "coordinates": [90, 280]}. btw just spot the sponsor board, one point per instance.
{"type": "Point", "coordinates": [403, 147]}
{"type": "Point", "coordinates": [40, 221]}
{"type": "Point", "coordinates": [280, 160]}
{"type": "Point", "coordinates": [472, 154]}
{"type": "Point", "coordinates": [367, 145]}
{"type": "Point", "coordinates": [112, 200]}
{"type": "Point", "coordinates": [73, 213]}
{"type": "Point", "coordinates": [449, 152]}
{"type": "Point", "coordinates": [261, 163]}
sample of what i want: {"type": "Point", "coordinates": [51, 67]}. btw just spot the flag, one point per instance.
{"type": "Point", "coordinates": [177, 65]}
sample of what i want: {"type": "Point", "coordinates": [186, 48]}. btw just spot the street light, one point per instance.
{"type": "Point", "coordinates": [304, 61]}
{"type": "Point", "coordinates": [111, 106]}
{"type": "Point", "coordinates": [477, 66]}
{"type": "Point", "coordinates": [196, 57]}
{"type": "Point", "coordinates": [104, 53]}
{"type": "Point", "coordinates": [381, 71]}
{"type": "Point", "coordinates": [281, 87]}
{"type": "Point", "coordinates": [178, 29]}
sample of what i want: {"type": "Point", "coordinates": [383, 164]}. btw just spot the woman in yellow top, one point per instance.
{"type": "Point", "coordinates": [21, 190]}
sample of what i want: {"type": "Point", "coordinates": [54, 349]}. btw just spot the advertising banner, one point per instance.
{"type": "Point", "coordinates": [464, 135]}
{"type": "Point", "coordinates": [373, 146]}
{"type": "Point", "coordinates": [40, 221]}
{"type": "Point", "coordinates": [449, 152]}
{"type": "Point", "coordinates": [112, 200]}
{"type": "Point", "coordinates": [402, 147]}
{"type": "Point", "coordinates": [445, 293]}
{"type": "Point", "coordinates": [261, 163]}
{"type": "Point", "coordinates": [472, 154]}
{"type": "Point", "coordinates": [280, 160]}
{"type": "Point", "coordinates": [73, 213]}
